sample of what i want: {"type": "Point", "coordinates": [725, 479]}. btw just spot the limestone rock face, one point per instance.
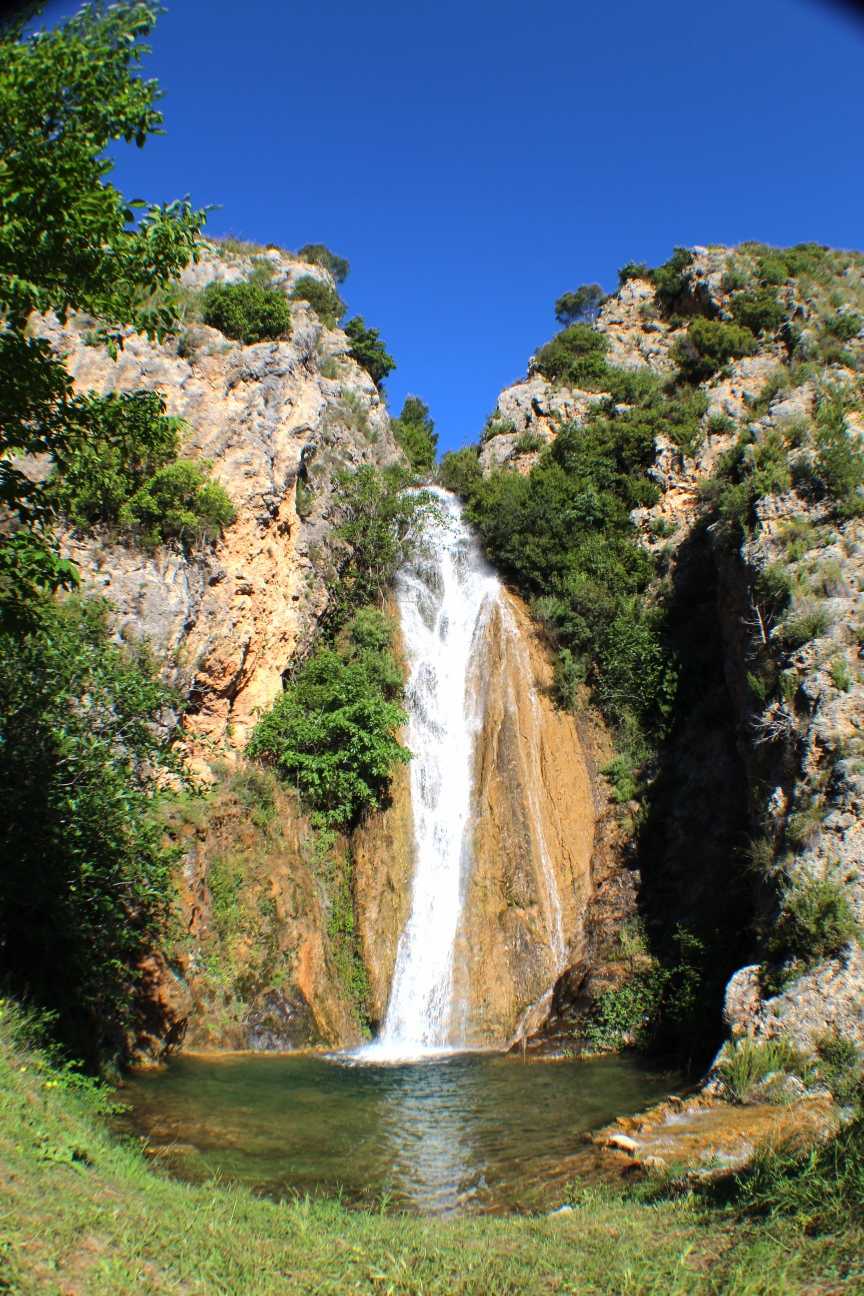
{"type": "Point", "coordinates": [254, 967]}
{"type": "Point", "coordinates": [532, 840]}
{"type": "Point", "coordinates": [227, 620]}
{"type": "Point", "coordinates": [788, 766]}
{"type": "Point", "coordinates": [383, 854]}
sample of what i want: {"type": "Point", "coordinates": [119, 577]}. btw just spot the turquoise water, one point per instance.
{"type": "Point", "coordinates": [471, 1132]}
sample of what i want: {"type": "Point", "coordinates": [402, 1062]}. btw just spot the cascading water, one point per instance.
{"type": "Point", "coordinates": [445, 597]}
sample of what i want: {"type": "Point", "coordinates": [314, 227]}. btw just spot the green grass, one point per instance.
{"type": "Point", "coordinates": [81, 1213]}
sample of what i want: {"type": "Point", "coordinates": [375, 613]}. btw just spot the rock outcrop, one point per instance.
{"type": "Point", "coordinates": [779, 774]}
{"type": "Point", "coordinates": [228, 620]}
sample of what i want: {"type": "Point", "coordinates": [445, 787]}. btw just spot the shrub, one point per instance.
{"type": "Point", "coordinates": [808, 622]}
{"type": "Point", "coordinates": [815, 923]}
{"type": "Point", "coordinates": [708, 345]}
{"type": "Point", "coordinates": [459, 471]}
{"type": "Point", "coordinates": [758, 310]}
{"type": "Point", "coordinates": [670, 280]}
{"type": "Point", "coordinates": [178, 503]}
{"type": "Point", "coordinates": [839, 460]}
{"type": "Point", "coordinates": [85, 886]}
{"type": "Point", "coordinates": [744, 1064]}
{"type": "Point", "coordinates": [634, 270]}
{"type": "Point", "coordinates": [576, 356]}
{"type": "Point", "coordinates": [844, 325]}
{"type": "Point", "coordinates": [583, 305]}
{"type": "Point", "coordinates": [324, 300]}
{"type": "Point", "coordinates": [246, 312]}
{"type": "Point", "coordinates": [841, 676]}
{"type": "Point", "coordinates": [627, 1013]}
{"type": "Point", "coordinates": [528, 443]}
{"type": "Point", "coordinates": [382, 524]}
{"type": "Point", "coordinates": [318, 254]}
{"type": "Point", "coordinates": [332, 733]}
{"type": "Point", "coordinates": [129, 437]}
{"type": "Point", "coordinates": [368, 350]}
{"type": "Point", "coordinates": [414, 431]}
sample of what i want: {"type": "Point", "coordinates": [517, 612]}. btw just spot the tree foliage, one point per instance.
{"type": "Point", "coordinates": [248, 312]}
{"type": "Point", "coordinates": [70, 241]}
{"type": "Point", "coordinates": [179, 502]}
{"type": "Point", "coordinates": [322, 297]}
{"type": "Point", "coordinates": [414, 431]}
{"type": "Point", "coordinates": [382, 523]}
{"type": "Point", "coordinates": [369, 350]}
{"type": "Point", "coordinates": [318, 254]}
{"type": "Point", "coordinates": [564, 534]}
{"type": "Point", "coordinates": [708, 345]}
{"type": "Point", "coordinates": [332, 732]}
{"type": "Point", "coordinates": [576, 356]}
{"type": "Point", "coordinates": [129, 437]}
{"type": "Point", "coordinates": [85, 885]}
{"type": "Point", "coordinates": [581, 306]}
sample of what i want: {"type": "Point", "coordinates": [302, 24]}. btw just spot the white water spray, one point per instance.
{"type": "Point", "coordinates": [445, 596]}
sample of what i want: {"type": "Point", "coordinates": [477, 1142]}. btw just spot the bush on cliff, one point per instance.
{"type": "Point", "coordinates": [332, 732]}
{"type": "Point", "coordinates": [459, 470]}
{"type": "Point", "coordinates": [381, 523]}
{"type": "Point", "coordinates": [576, 356]}
{"type": "Point", "coordinates": [179, 502]}
{"type": "Point", "coordinates": [320, 254]}
{"type": "Point", "coordinates": [247, 312]}
{"type": "Point", "coordinates": [563, 532]}
{"type": "Point", "coordinates": [708, 345]}
{"type": "Point", "coordinates": [581, 306]}
{"type": "Point", "coordinates": [368, 349]}
{"type": "Point", "coordinates": [129, 437]}
{"type": "Point", "coordinates": [85, 886]}
{"type": "Point", "coordinates": [324, 300]}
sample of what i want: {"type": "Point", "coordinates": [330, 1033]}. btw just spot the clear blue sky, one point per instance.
{"type": "Point", "coordinates": [473, 160]}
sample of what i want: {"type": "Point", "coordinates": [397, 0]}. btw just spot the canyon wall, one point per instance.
{"type": "Point", "coordinates": [763, 772]}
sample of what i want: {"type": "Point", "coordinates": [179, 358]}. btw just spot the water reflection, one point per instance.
{"type": "Point", "coordinates": [464, 1132]}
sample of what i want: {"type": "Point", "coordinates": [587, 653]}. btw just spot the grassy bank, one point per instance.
{"type": "Point", "coordinates": [81, 1214]}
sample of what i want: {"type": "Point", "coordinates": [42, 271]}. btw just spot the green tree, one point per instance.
{"type": "Point", "coordinates": [414, 431]}
{"type": "Point", "coordinates": [459, 471]}
{"type": "Point", "coordinates": [85, 885]}
{"type": "Point", "coordinates": [318, 254]}
{"type": "Point", "coordinates": [332, 733]}
{"type": "Point", "coordinates": [581, 306]}
{"type": "Point", "coordinates": [368, 350]}
{"type": "Point", "coordinates": [70, 241]}
{"type": "Point", "coordinates": [247, 312]}
{"type": "Point", "coordinates": [324, 299]}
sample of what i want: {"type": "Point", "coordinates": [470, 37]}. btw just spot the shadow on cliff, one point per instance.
{"type": "Point", "coordinates": [696, 893]}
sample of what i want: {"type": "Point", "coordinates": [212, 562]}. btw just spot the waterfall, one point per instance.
{"type": "Point", "coordinates": [445, 596]}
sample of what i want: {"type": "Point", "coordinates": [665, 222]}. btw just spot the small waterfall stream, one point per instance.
{"type": "Point", "coordinates": [445, 597]}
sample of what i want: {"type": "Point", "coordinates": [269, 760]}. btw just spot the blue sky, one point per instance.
{"type": "Point", "coordinates": [473, 160]}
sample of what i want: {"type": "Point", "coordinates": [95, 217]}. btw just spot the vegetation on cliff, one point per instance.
{"type": "Point", "coordinates": [582, 528]}
{"type": "Point", "coordinates": [332, 733]}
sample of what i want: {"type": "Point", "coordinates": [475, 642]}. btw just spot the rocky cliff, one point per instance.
{"type": "Point", "coordinates": [227, 620]}
{"type": "Point", "coordinates": [264, 956]}
{"type": "Point", "coordinates": [756, 814]}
